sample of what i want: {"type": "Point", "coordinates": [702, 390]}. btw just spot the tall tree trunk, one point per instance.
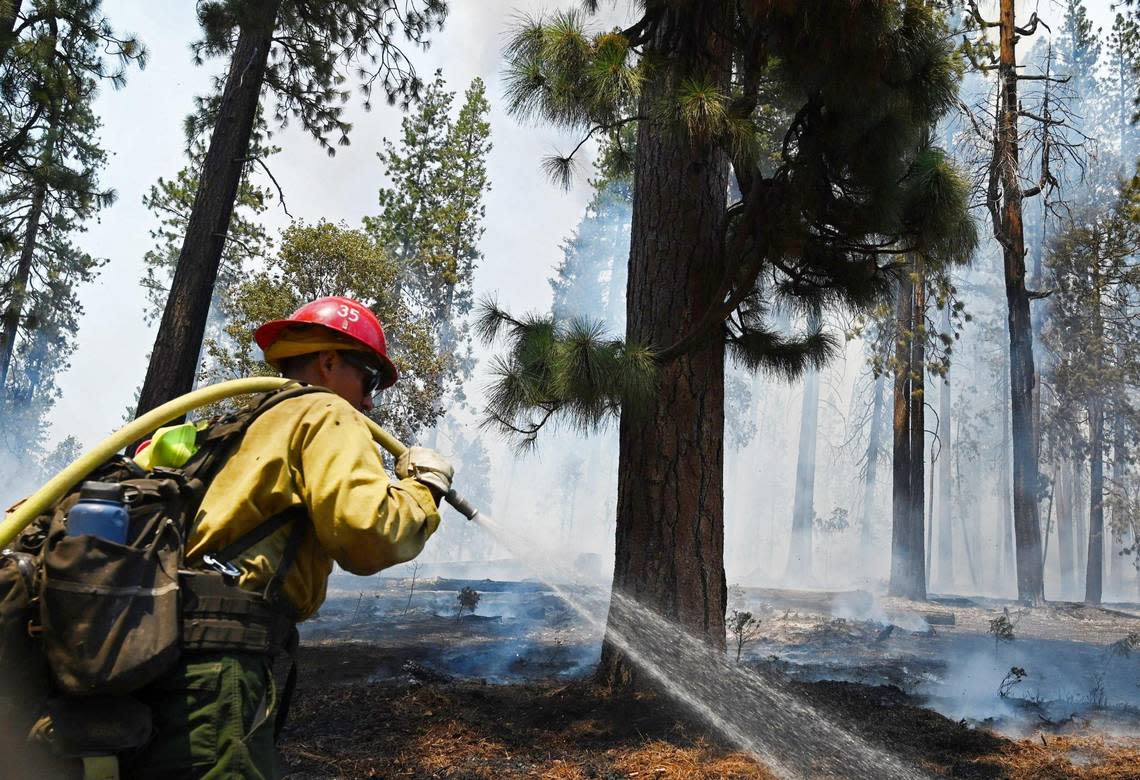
{"type": "Point", "coordinates": [1080, 526]}
{"type": "Point", "coordinates": [1027, 528]}
{"type": "Point", "coordinates": [174, 360]}
{"type": "Point", "coordinates": [14, 312]}
{"type": "Point", "coordinates": [1065, 543]}
{"type": "Point", "coordinates": [19, 284]}
{"type": "Point", "coordinates": [799, 568]}
{"type": "Point", "coordinates": [670, 511]}
{"type": "Point", "coordinates": [1094, 571]}
{"type": "Point", "coordinates": [969, 529]}
{"type": "Point", "coordinates": [918, 426]}
{"type": "Point", "coordinates": [874, 444]}
{"type": "Point", "coordinates": [908, 559]}
{"type": "Point", "coordinates": [945, 527]}
{"type": "Point", "coordinates": [1118, 562]}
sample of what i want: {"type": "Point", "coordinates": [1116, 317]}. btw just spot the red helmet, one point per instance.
{"type": "Point", "coordinates": [344, 316]}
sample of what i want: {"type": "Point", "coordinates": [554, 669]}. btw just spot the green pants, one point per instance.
{"type": "Point", "coordinates": [213, 718]}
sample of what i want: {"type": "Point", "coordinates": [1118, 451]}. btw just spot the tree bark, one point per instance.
{"type": "Point", "coordinates": [1080, 524]}
{"type": "Point", "coordinates": [670, 511]}
{"type": "Point", "coordinates": [799, 569]}
{"type": "Point", "coordinates": [1094, 572]}
{"type": "Point", "coordinates": [174, 360]}
{"type": "Point", "coordinates": [1027, 528]}
{"type": "Point", "coordinates": [908, 558]}
{"type": "Point", "coordinates": [1118, 563]}
{"type": "Point", "coordinates": [1005, 476]}
{"type": "Point", "coordinates": [14, 312]}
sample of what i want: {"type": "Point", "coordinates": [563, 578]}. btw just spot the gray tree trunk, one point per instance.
{"type": "Point", "coordinates": [800, 562]}
{"type": "Point", "coordinates": [874, 445]}
{"type": "Point", "coordinates": [945, 516]}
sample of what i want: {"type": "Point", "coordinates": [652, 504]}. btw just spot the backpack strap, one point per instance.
{"type": "Point", "coordinates": [216, 441]}
{"type": "Point", "coordinates": [298, 516]}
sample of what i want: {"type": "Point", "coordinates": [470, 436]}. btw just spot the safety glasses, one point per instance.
{"type": "Point", "coordinates": [372, 375]}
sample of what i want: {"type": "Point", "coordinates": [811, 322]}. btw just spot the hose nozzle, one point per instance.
{"type": "Point", "coordinates": [461, 504]}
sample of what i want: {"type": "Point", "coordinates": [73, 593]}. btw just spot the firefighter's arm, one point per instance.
{"type": "Point", "coordinates": [363, 519]}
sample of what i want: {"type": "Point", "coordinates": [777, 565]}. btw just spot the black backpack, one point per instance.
{"type": "Point", "coordinates": [83, 618]}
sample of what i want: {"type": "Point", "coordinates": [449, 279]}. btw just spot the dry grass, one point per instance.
{"type": "Point", "coordinates": [1065, 757]}
{"type": "Point", "coordinates": [660, 760]}
{"type": "Point", "coordinates": [444, 745]}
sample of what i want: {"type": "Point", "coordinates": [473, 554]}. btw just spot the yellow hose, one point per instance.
{"type": "Point", "coordinates": [58, 486]}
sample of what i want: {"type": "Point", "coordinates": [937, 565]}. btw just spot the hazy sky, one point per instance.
{"type": "Point", "coordinates": [526, 220]}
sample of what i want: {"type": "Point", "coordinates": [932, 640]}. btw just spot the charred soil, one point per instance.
{"type": "Point", "coordinates": [348, 723]}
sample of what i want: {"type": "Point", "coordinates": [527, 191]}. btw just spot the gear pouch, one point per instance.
{"type": "Point", "coordinates": [110, 612]}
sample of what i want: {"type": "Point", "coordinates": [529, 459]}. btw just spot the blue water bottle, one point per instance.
{"type": "Point", "coordinates": [99, 512]}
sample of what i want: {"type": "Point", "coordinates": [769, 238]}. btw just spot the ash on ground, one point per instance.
{"type": "Point", "coordinates": [1059, 668]}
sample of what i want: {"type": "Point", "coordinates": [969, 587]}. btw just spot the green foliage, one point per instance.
{"type": "Point", "coordinates": [1001, 627]}
{"type": "Point", "coordinates": [315, 43]}
{"type": "Point", "coordinates": [824, 124]}
{"type": "Point", "coordinates": [431, 218]}
{"type": "Point", "coordinates": [327, 259]}
{"type": "Point", "coordinates": [569, 369]}
{"type": "Point", "coordinates": [53, 57]}
{"type": "Point", "coordinates": [53, 51]}
{"type": "Point", "coordinates": [743, 628]}
{"type": "Point", "coordinates": [1092, 330]}
{"type": "Point", "coordinates": [1091, 325]}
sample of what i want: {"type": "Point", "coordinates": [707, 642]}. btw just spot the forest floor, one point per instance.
{"type": "Point", "coordinates": [392, 689]}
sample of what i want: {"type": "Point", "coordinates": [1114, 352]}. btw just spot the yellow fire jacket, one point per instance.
{"type": "Point", "coordinates": [315, 451]}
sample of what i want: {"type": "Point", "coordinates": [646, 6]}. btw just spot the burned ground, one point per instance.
{"type": "Point", "coordinates": [389, 694]}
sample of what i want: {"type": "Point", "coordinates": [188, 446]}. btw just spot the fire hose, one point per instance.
{"type": "Point", "coordinates": [58, 486]}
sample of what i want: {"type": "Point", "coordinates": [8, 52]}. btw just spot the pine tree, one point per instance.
{"type": "Point", "coordinates": [50, 161]}
{"type": "Point", "coordinates": [818, 110]}
{"type": "Point", "coordinates": [1006, 193]}
{"type": "Point", "coordinates": [296, 51]}
{"type": "Point", "coordinates": [1122, 54]}
{"type": "Point", "coordinates": [1093, 330]}
{"type": "Point", "coordinates": [431, 218]}
{"type": "Point", "coordinates": [47, 49]}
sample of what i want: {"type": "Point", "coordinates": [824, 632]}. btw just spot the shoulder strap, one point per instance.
{"type": "Point", "coordinates": [298, 516]}
{"type": "Point", "coordinates": [261, 531]}
{"type": "Point", "coordinates": [216, 441]}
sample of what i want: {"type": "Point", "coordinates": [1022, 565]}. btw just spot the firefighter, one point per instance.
{"type": "Point", "coordinates": [310, 457]}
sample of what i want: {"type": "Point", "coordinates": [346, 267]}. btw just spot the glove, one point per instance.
{"type": "Point", "coordinates": [426, 466]}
